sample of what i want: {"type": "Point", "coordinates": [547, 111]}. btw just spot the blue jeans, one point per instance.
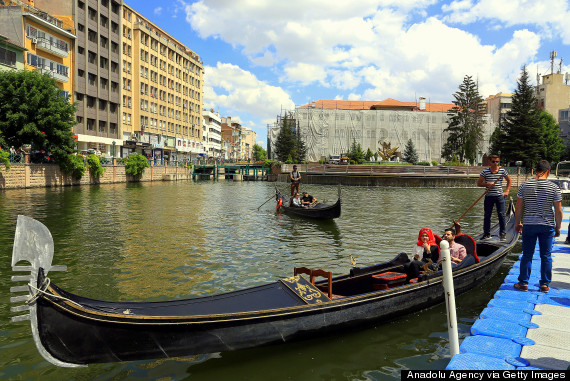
{"type": "Point", "coordinates": [491, 201]}
{"type": "Point", "coordinates": [545, 236]}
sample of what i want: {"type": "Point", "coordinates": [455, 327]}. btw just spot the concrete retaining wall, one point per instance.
{"type": "Point", "coordinates": [41, 175]}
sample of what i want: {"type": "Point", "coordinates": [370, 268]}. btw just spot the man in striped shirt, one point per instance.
{"type": "Point", "coordinates": [537, 197]}
{"type": "Point", "coordinates": [492, 179]}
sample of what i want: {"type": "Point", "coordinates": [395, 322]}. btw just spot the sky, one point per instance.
{"type": "Point", "coordinates": [262, 57]}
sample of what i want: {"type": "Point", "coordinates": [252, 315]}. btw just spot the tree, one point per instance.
{"type": "Point", "coordinates": [355, 154]}
{"type": "Point", "coordinates": [288, 144]}
{"type": "Point", "coordinates": [34, 112]}
{"type": "Point", "coordinates": [554, 148]}
{"type": "Point", "coordinates": [466, 123]}
{"type": "Point", "coordinates": [368, 155]}
{"type": "Point", "coordinates": [259, 153]}
{"type": "Point", "coordinates": [410, 153]}
{"type": "Point", "coordinates": [521, 136]}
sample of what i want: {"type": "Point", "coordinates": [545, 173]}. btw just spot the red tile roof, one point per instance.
{"type": "Point", "coordinates": [386, 104]}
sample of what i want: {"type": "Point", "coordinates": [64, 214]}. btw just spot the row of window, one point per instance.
{"type": "Point", "coordinates": [32, 32]}
{"type": "Point", "coordinates": [47, 64]}
{"type": "Point", "coordinates": [163, 125]}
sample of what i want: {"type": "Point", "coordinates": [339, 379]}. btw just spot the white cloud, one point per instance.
{"type": "Point", "coordinates": [237, 90]}
{"type": "Point", "coordinates": [158, 11]}
{"type": "Point", "coordinates": [305, 73]}
{"type": "Point", "coordinates": [550, 17]}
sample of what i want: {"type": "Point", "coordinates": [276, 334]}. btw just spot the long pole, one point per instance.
{"type": "Point", "coordinates": [456, 222]}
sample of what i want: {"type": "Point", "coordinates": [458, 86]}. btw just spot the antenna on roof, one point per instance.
{"type": "Point", "coordinates": [552, 57]}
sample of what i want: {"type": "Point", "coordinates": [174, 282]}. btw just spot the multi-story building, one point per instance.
{"type": "Point", "coordinates": [553, 94]}
{"type": "Point", "coordinates": [232, 134]}
{"type": "Point", "coordinates": [212, 134]}
{"type": "Point", "coordinates": [248, 141]}
{"type": "Point", "coordinates": [497, 106]}
{"type": "Point", "coordinates": [11, 55]}
{"type": "Point", "coordinates": [329, 127]}
{"type": "Point", "coordinates": [47, 40]}
{"type": "Point", "coordinates": [564, 122]}
{"type": "Point", "coordinates": [138, 89]}
{"type": "Point", "coordinates": [162, 97]}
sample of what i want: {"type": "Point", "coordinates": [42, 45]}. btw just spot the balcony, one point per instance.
{"type": "Point", "coordinates": [50, 47]}
{"type": "Point", "coordinates": [57, 76]}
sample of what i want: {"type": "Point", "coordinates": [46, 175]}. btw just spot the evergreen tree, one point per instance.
{"type": "Point", "coordinates": [33, 112]}
{"type": "Point", "coordinates": [522, 135]}
{"type": "Point", "coordinates": [289, 146]}
{"type": "Point", "coordinates": [368, 155]}
{"type": "Point", "coordinates": [285, 141]}
{"type": "Point", "coordinates": [554, 148]}
{"type": "Point", "coordinates": [356, 155]}
{"type": "Point", "coordinates": [466, 123]}
{"type": "Point", "coordinates": [410, 153]}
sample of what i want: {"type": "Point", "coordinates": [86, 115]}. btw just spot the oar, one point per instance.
{"type": "Point", "coordinates": [456, 222]}
{"type": "Point", "coordinates": [265, 202]}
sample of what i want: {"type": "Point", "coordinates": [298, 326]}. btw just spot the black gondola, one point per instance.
{"type": "Point", "coordinates": [71, 330]}
{"type": "Point", "coordinates": [319, 210]}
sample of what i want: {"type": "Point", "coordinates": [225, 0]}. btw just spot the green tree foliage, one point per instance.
{"type": "Point", "coordinates": [554, 148]}
{"type": "Point", "coordinates": [33, 112]}
{"type": "Point", "coordinates": [521, 136]}
{"type": "Point", "coordinates": [259, 153]}
{"type": "Point", "coordinates": [289, 145]}
{"type": "Point", "coordinates": [73, 166]}
{"type": "Point", "coordinates": [466, 123]}
{"type": "Point", "coordinates": [95, 167]}
{"type": "Point", "coordinates": [410, 153]}
{"type": "Point", "coordinates": [368, 155]}
{"type": "Point", "coordinates": [356, 155]}
{"type": "Point", "coordinates": [5, 158]}
{"type": "Point", "coordinates": [136, 164]}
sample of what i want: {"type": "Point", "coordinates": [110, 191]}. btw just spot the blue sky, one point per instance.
{"type": "Point", "coordinates": [262, 56]}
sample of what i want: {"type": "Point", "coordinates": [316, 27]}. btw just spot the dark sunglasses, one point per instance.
{"type": "Point", "coordinates": [494, 161]}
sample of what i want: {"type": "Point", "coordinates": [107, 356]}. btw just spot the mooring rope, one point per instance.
{"type": "Point", "coordinates": [44, 286]}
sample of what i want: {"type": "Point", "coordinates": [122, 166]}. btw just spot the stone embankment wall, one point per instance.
{"type": "Point", "coordinates": [43, 175]}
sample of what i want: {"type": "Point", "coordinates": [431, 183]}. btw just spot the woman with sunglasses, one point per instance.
{"type": "Point", "coordinates": [492, 179]}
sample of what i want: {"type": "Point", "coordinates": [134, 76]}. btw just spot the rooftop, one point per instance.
{"type": "Point", "coordinates": [386, 104]}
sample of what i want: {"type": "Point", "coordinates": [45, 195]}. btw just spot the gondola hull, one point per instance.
{"type": "Point", "coordinates": [74, 331]}
{"type": "Point", "coordinates": [318, 211]}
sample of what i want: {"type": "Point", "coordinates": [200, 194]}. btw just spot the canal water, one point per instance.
{"type": "Point", "coordinates": [172, 240]}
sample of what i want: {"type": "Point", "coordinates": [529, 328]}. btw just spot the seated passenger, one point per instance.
{"type": "Point", "coordinates": [296, 201]}
{"type": "Point", "coordinates": [426, 248]}
{"type": "Point", "coordinates": [456, 250]}
{"type": "Point", "coordinates": [307, 200]}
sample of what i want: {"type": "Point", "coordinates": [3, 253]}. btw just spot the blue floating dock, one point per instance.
{"type": "Point", "coordinates": [524, 330]}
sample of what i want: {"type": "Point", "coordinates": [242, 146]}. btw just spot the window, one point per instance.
{"type": "Point", "coordinates": [104, 63]}
{"type": "Point", "coordinates": [102, 126]}
{"type": "Point", "coordinates": [114, 47]}
{"type": "Point", "coordinates": [92, 78]}
{"type": "Point", "coordinates": [104, 42]}
{"type": "Point", "coordinates": [7, 57]}
{"type": "Point", "coordinates": [90, 124]}
{"type": "Point", "coordinates": [92, 57]}
{"type": "Point", "coordinates": [80, 27]}
{"type": "Point", "coordinates": [81, 5]}
{"type": "Point", "coordinates": [104, 82]}
{"type": "Point", "coordinates": [102, 105]}
{"type": "Point", "coordinates": [104, 21]}
{"type": "Point", "coordinates": [114, 27]}
{"type": "Point", "coordinates": [92, 14]}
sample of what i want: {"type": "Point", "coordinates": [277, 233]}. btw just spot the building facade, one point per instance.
{"type": "Point", "coordinates": [329, 127]}
{"type": "Point", "coordinates": [137, 88]}
{"type": "Point", "coordinates": [163, 99]}
{"type": "Point", "coordinates": [553, 94]}
{"type": "Point", "coordinates": [45, 38]}
{"type": "Point", "coordinates": [497, 106]}
{"type": "Point", "coordinates": [212, 134]}
{"type": "Point", "coordinates": [11, 55]}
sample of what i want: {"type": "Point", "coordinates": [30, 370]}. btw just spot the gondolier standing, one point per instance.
{"type": "Point", "coordinates": [537, 196]}
{"type": "Point", "coordinates": [492, 178]}
{"type": "Point", "coordinates": [295, 177]}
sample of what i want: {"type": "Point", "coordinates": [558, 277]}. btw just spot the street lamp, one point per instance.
{"type": "Point", "coordinates": [113, 149]}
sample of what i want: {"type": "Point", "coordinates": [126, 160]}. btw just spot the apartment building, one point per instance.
{"type": "Point", "coordinates": [232, 134]}
{"type": "Point", "coordinates": [162, 92]}
{"type": "Point", "coordinates": [498, 105]}
{"type": "Point", "coordinates": [11, 55]}
{"type": "Point", "coordinates": [553, 94]}
{"type": "Point", "coordinates": [212, 134]}
{"type": "Point", "coordinates": [46, 40]}
{"type": "Point", "coordinates": [247, 143]}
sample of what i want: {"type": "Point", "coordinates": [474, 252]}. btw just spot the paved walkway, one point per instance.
{"type": "Point", "coordinates": [524, 330]}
